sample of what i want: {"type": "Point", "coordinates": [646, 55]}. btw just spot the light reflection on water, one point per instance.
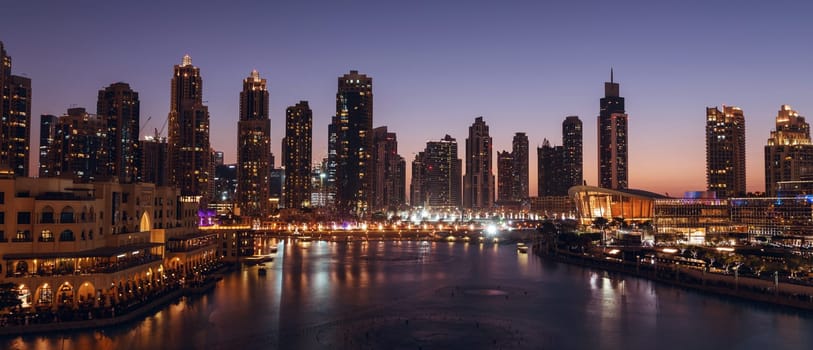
{"type": "Point", "coordinates": [360, 294]}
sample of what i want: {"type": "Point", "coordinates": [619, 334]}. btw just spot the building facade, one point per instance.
{"type": "Point", "coordinates": [75, 245]}
{"type": "Point", "coordinates": [612, 139]}
{"type": "Point", "coordinates": [352, 142]}
{"type": "Point", "coordinates": [478, 183]}
{"type": "Point", "coordinates": [15, 119]}
{"type": "Point", "coordinates": [505, 177]}
{"type": "Point", "coordinates": [725, 151]}
{"type": "Point", "coordinates": [188, 149]}
{"type": "Point", "coordinates": [389, 171]}
{"type": "Point", "coordinates": [789, 152]}
{"type": "Point", "coordinates": [436, 174]}
{"type": "Point", "coordinates": [119, 109]}
{"type": "Point", "coordinates": [253, 148]}
{"type": "Point", "coordinates": [47, 129]}
{"type": "Point", "coordinates": [78, 149]}
{"type": "Point", "coordinates": [297, 156]}
{"type": "Point", "coordinates": [572, 148]}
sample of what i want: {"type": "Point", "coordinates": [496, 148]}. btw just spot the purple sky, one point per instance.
{"type": "Point", "coordinates": [436, 65]}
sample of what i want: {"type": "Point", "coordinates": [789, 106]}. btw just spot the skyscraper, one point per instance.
{"type": "Point", "coordinates": [254, 148]}
{"type": "Point", "coordinates": [725, 151]}
{"type": "Point", "coordinates": [789, 152]}
{"type": "Point", "coordinates": [519, 155]}
{"type": "Point", "coordinates": [436, 174]}
{"type": "Point", "coordinates": [478, 183]}
{"type": "Point", "coordinates": [550, 169]}
{"type": "Point", "coordinates": [506, 176]}
{"type": "Point", "coordinates": [560, 167]}
{"type": "Point", "coordinates": [188, 146]}
{"type": "Point", "coordinates": [47, 125]}
{"type": "Point", "coordinates": [118, 108]}
{"type": "Point", "coordinates": [77, 151]}
{"type": "Point", "coordinates": [612, 138]}
{"type": "Point", "coordinates": [353, 128]}
{"type": "Point", "coordinates": [572, 163]}
{"type": "Point", "coordinates": [389, 171]}
{"type": "Point", "coordinates": [297, 156]}
{"type": "Point", "coordinates": [154, 160]}
{"type": "Point", "coordinates": [15, 119]}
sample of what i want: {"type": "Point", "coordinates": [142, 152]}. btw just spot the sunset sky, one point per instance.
{"type": "Point", "coordinates": [436, 65]}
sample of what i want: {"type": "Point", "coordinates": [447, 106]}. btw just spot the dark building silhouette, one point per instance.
{"type": "Point", "coordinates": [519, 154]}
{"type": "Point", "coordinates": [612, 139]}
{"type": "Point", "coordinates": [47, 125]}
{"type": "Point", "coordinates": [296, 155]}
{"type": "Point", "coordinates": [572, 146]}
{"type": "Point", "coordinates": [436, 174]}
{"type": "Point", "coordinates": [254, 148]}
{"type": "Point", "coordinates": [789, 152]}
{"type": "Point", "coordinates": [478, 183]}
{"type": "Point", "coordinates": [389, 171]}
{"type": "Point", "coordinates": [154, 160]}
{"type": "Point", "coordinates": [15, 119]}
{"type": "Point", "coordinates": [78, 148]}
{"type": "Point", "coordinates": [352, 130]}
{"type": "Point", "coordinates": [512, 171]}
{"type": "Point", "coordinates": [118, 108]}
{"type": "Point", "coordinates": [506, 176]}
{"type": "Point", "coordinates": [560, 167]}
{"type": "Point", "coordinates": [725, 151]}
{"type": "Point", "coordinates": [189, 152]}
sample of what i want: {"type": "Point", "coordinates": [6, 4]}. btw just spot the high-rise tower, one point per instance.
{"type": "Point", "coordinates": [254, 148]}
{"type": "Point", "coordinates": [389, 171]}
{"type": "Point", "coordinates": [15, 119]}
{"type": "Point", "coordinates": [436, 174]}
{"type": "Point", "coordinates": [519, 154]}
{"type": "Point", "coordinates": [118, 108]}
{"type": "Point", "coordinates": [789, 152]}
{"type": "Point", "coordinates": [725, 151]}
{"type": "Point", "coordinates": [572, 164]}
{"type": "Point", "coordinates": [353, 129]}
{"type": "Point", "coordinates": [612, 138]}
{"type": "Point", "coordinates": [478, 183]}
{"type": "Point", "coordinates": [296, 155]}
{"type": "Point", "coordinates": [188, 146]}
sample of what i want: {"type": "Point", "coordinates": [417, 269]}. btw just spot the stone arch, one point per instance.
{"type": "Point", "coordinates": [67, 235]}
{"type": "Point", "coordinates": [44, 295]}
{"type": "Point", "coordinates": [84, 215]}
{"type": "Point", "coordinates": [66, 216]}
{"type": "Point", "coordinates": [47, 215]}
{"type": "Point", "coordinates": [65, 295]}
{"type": "Point", "coordinates": [86, 292]}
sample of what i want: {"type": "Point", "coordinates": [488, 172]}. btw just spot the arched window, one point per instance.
{"type": "Point", "coordinates": [67, 235]}
{"type": "Point", "coordinates": [47, 215]}
{"type": "Point", "coordinates": [66, 216]}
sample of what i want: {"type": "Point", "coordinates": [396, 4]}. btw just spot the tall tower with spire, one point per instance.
{"type": "Point", "coordinates": [188, 149]}
{"type": "Point", "coordinates": [612, 138]}
{"type": "Point", "coordinates": [253, 148]}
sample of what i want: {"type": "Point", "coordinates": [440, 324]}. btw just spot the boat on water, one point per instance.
{"type": "Point", "coordinates": [262, 271]}
{"type": "Point", "coordinates": [522, 248]}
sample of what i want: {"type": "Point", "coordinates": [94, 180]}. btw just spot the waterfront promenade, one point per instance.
{"type": "Point", "coordinates": [799, 296]}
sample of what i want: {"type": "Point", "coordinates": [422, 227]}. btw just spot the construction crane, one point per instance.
{"type": "Point", "coordinates": [140, 131]}
{"type": "Point", "coordinates": [159, 132]}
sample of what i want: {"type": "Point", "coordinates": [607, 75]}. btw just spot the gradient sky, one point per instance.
{"type": "Point", "coordinates": [436, 65]}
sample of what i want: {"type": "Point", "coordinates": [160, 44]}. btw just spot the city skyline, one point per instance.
{"type": "Point", "coordinates": [666, 78]}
